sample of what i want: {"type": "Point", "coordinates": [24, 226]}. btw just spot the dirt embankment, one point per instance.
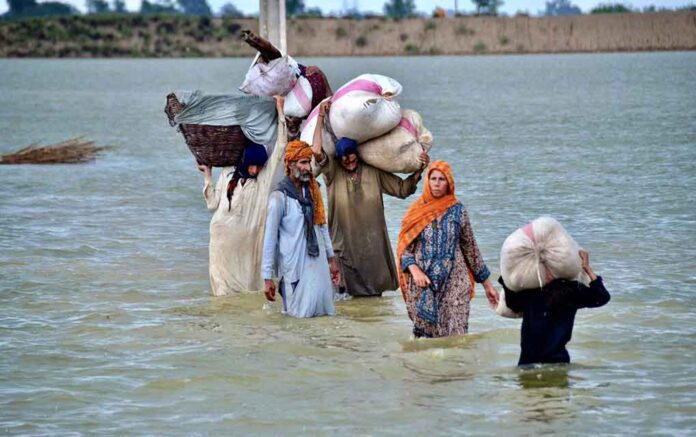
{"type": "Point", "coordinates": [137, 36]}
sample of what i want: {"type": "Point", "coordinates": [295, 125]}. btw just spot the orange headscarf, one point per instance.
{"type": "Point", "coordinates": [295, 151]}
{"type": "Point", "coordinates": [421, 213]}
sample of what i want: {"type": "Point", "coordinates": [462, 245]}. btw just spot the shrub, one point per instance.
{"type": "Point", "coordinates": [430, 25]}
{"type": "Point", "coordinates": [609, 8]}
{"type": "Point", "coordinates": [463, 30]}
{"type": "Point", "coordinates": [479, 47]}
{"type": "Point", "coordinates": [411, 49]}
{"type": "Point", "coordinates": [433, 50]}
{"type": "Point", "coordinates": [361, 41]}
{"type": "Point", "coordinates": [503, 40]}
{"type": "Point", "coordinates": [403, 37]}
{"type": "Point", "coordinates": [341, 32]}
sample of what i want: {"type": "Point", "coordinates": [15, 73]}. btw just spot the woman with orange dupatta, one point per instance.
{"type": "Point", "coordinates": [439, 259]}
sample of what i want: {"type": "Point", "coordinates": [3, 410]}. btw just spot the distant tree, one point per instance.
{"type": "Point", "coordinates": [398, 9]}
{"type": "Point", "coordinates": [30, 8]}
{"type": "Point", "coordinates": [230, 10]}
{"type": "Point", "coordinates": [487, 7]}
{"type": "Point", "coordinates": [97, 7]}
{"type": "Point", "coordinates": [19, 7]}
{"type": "Point", "coordinates": [609, 8]}
{"type": "Point", "coordinates": [561, 8]}
{"type": "Point", "coordinates": [195, 7]}
{"type": "Point", "coordinates": [294, 8]}
{"type": "Point", "coordinates": [314, 12]}
{"type": "Point", "coordinates": [120, 7]}
{"type": "Point", "coordinates": [159, 7]}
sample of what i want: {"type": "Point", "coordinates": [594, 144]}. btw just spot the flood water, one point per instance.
{"type": "Point", "coordinates": [107, 324]}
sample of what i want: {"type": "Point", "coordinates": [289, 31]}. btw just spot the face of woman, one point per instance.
{"type": "Point", "coordinates": [438, 184]}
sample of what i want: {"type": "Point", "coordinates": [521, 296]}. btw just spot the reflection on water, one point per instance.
{"type": "Point", "coordinates": [106, 321]}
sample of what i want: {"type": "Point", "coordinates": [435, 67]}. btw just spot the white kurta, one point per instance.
{"type": "Point", "coordinates": [305, 281]}
{"type": "Point", "coordinates": [236, 230]}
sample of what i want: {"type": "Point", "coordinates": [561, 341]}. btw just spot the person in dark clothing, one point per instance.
{"type": "Point", "coordinates": [549, 314]}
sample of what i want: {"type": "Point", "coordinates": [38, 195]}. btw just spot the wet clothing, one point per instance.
{"type": "Point", "coordinates": [446, 251]}
{"type": "Point", "coordinates": [358, 227]}
{"type": "Point", "coordinates": [304, 280]}
{"type": "Point", "coordinates": [236, 229]}
{"type": "Point", "coordinates": [547, 326]}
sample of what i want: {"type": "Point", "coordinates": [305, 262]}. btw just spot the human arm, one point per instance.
{"type": "Point", "coordinates": [211, 193]}
{"type": "Point", "coordinates": [393, 185]}
{"type": "Point", "coordinates": [274, 214]}
{"type": "Point", "coordinates": [474, 260]}
{"type": "Point", "coordinates": [596, 295]}
{"type": "Point", "coordinates": [410, 265]}
{"type": "Point", "coordinates": [330, 255]}
{"type": "Point", "coordinates": [513, 300]}
{"type": "Point", "coordinates": [266, 175]}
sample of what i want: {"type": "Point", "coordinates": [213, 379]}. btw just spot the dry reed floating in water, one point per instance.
{"type": "Point", "coordinates": [73, 151]}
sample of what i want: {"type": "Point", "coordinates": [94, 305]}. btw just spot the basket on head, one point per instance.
{"type": "Point", "coordinates": [215, 146]}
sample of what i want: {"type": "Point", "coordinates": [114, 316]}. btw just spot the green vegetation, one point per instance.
{"type": "Point", "coordinates": [609, 8]}
{"type": "Point", "coordinates": [398, 9]}
{"type": "Point", "coordinates": [411, 49]}
{"type": "Point", "coordinates": [433, 51]}
{"type": "Point", "coordinates": [479, 47]}
{"type": "Point", "coordinates": [403, 37]}
{"type": "Point", "coordinates": [487, 7]}
{"type": "Point", "coordinates": [341, 32]}
{"type": "Point", "coordinates": [503, 40]}
{"type": "Point", "coordinates": [430, 25]}
{"type": "Point", "coordinates": [463, 30]}
{"type": "Point", "coordinates": [361, 41]}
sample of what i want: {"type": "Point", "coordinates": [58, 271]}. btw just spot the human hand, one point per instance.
{"type": "Point", "coordinates": [585, 259]}
{"type": "Point", "coordinates": [335, 271]}
{"type": "Point", "coordinates": [424, 159]}
{"type": "Point", "coordinates": [270, 290]}
{"type": "Point", "coordinates": [491, 293]}
{"type": "Point", "coordinates": [420, 278]}
{"type": "Point", "coordinates": [205, 169]}
{"type": "Point", "coordinates": [324, 108]}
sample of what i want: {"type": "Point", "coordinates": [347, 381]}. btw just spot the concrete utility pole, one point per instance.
{"type": "Point", "coordinates": [272, 23]}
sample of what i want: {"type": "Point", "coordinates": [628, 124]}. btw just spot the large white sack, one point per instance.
{"type": "Point", "coordinates": [538, 253]}
{"type": "Point", "coordinates": [277, 77]}
{"type": "Point", "coordinates": [298, 102]}
{"type": "Point", "coordinates": [363, 108]}
{"type": "Point", "coordinates": [399, 150]}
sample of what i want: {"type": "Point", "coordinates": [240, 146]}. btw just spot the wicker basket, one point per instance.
{"type": "Point", "coordinates": [215, 146]}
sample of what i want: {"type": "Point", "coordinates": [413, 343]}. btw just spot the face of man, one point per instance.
{"type": "Point", "coordinates": [350, 162]}
{"type": "Point", "coordinates": [293, 126]}
{"type": "Point", "coordinates": [302, 170]}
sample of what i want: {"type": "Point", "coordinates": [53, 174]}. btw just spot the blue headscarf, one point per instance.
{"type": "Point", "coordinates": [254, 154]}
{"type": "Point", "coordinates": [346, 146]}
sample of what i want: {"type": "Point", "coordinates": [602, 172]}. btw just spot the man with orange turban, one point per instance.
{"type": "Point", "coordinates": [297, 247]}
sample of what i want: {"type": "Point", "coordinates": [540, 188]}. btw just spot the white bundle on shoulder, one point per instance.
{"type": "Point", "coordinates": [399, 150]}
{"type": "Point", "coordinates": [538, 253]}
{"type": "Point", "coordinates": [362, 109]}
{"type": "Point", "coordinates": [277, 77]}
{"type": "Point", "coordinates": [298, 102]}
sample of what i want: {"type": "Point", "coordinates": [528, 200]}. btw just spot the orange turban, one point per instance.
{"type": "Point", "coordinates": [295, 151]}
{"type": "Point", "coordinates": [421, 213]}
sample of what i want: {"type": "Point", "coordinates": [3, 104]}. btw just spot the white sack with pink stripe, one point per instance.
{"type": "Point", "coordinates": [298, 102]}
{"type": "Point", "coordinates": [399, 150]}
{"type": "Point", "coordinates": [362, 109]}
{"type": "Point", "coordinates": [538, 253]}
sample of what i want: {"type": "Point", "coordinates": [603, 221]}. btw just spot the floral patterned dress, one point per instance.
{"type": "Point", "coordinates": [446, 251]}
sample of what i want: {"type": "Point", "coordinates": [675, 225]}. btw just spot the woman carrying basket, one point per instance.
{"type": "Point", "coordinates": [238, 201]}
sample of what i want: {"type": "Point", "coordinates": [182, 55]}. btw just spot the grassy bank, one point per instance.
{"type": "Point", "coordinates": [181, 36]}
